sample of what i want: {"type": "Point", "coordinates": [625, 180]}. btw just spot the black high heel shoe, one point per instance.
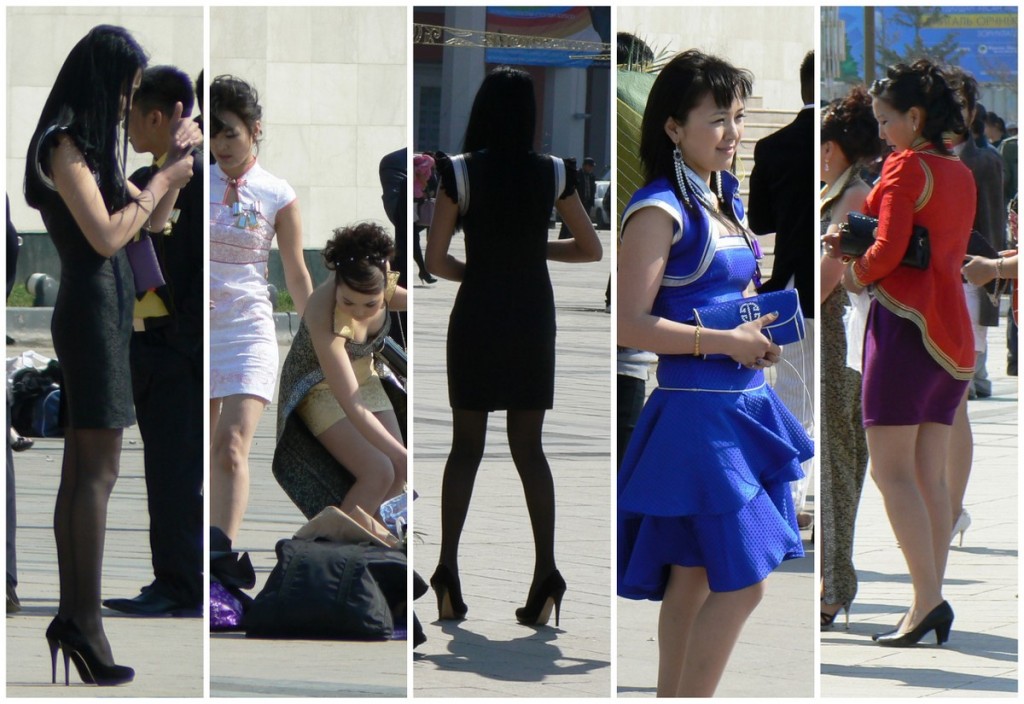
{"type": "Point", "coordinates": [939, 619]}
{"type": "Point", "coordinates": [76, 648]}
{"type": "Point", "coordinates": [426, 278]}
{"type": "Point", "coordinates": [538, 608]}
{"type": "Point", "coordinates": [55, 633]}
{"type": "Point", "coordinates": [450, 605]}
{"type": "Point", "coordinates": [829, 619]}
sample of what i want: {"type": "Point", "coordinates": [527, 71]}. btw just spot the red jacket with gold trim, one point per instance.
{"type": "Point", "coordinates": [922, 186]}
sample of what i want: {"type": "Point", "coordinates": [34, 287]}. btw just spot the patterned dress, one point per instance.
{"type": "Point", "coordinates": [243, 342]}
{"type": "Point", "coordinates": [844, 448]}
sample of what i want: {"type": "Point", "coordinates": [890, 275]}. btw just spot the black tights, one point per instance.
{"type": "Point", "coordinates": [88, 473]}
{"type": "Point", "coordinates": [524, 429]}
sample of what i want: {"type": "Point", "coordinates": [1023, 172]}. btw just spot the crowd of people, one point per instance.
{"type": "Point", "coordinates": [911, 354]}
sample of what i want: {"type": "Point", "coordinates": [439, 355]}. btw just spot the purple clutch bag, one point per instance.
{"type": "Point", "coordinates": [145, 266]}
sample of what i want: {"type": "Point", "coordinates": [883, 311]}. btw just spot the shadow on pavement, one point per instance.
{"type": "Point", "coordinates": [532, 658]}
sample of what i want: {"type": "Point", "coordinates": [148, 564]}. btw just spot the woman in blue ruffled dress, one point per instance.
{"type": "Point", "coordinates": [704, 508]}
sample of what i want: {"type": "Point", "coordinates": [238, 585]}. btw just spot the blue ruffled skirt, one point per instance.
{"type": "Point", "coordinates": [705, 480]}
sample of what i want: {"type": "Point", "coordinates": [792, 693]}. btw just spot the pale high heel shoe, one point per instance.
{"type": "Point", "coordinates": [963, 522]}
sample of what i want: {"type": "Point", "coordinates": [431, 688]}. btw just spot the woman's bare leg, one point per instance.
{"type": "Point", "coordinates": [698, 630]}
{"type": "Point", "coordinates": [894, 467]}
{"type": "Point", "coordinates": [959, 460]}
{"type": "Point", "coordinates": [230, 443]}
{"type": "Point", "coordinates": [372, 470]}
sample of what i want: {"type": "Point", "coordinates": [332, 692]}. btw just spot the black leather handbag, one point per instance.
{"type": "Point", "coordinates": [858, 234]}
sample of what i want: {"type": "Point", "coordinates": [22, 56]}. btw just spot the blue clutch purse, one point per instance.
{"type": "Point", "coordinates": [787, 328]}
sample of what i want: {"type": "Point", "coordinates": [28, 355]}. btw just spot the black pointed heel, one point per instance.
{"type": "Point", "coordinates": [76, 648]}
{"type": "Point", "coordinates": [450, 605]}
{"type": "Point", "coordinates": [427, 278]}
{"type": "Point", "coordinates": [547, 597]}
{"type": "Point", "coordinates": [55, 633]}
{"type": "Point", "coordinates": [939, 619]}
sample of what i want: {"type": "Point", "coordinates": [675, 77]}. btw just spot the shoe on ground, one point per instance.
{"type": "Point", "coordinates": [13, 605]}
{"type": "Point", "coordinates": [152, 602]}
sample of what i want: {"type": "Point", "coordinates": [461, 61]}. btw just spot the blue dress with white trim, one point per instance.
{"type": "Point", "coordinates": [705, 478]}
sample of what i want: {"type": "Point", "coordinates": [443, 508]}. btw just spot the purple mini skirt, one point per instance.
{"type": "Point", "coordinates": [902, 384]}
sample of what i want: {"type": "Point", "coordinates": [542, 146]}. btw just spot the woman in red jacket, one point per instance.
{"type": "Point", "coordinates": [918, 350]}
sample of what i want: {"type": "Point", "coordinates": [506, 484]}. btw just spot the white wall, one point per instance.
{"type": "Point", "coordinates": [769, 41]}
{"type": "Point", "coordinates": [38, 41]}
{"type": "Point", "coordinates": [332, 82]}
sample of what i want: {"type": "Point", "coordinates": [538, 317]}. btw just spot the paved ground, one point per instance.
{"type": "Point", "coordinates": [980, 659]}
{"type": "Point", "coordinates": [489, 654]}
{"type": "Point", "coordinates": [167, 654]}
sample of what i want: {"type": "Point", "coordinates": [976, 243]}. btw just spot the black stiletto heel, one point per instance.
{"type": "Point", "coordinates": [547, 597]}
{"type": "Point", "coordinates": [427, 278]}
{"type": "Point", "coordinates": [939, 619]}
{"type": "Point", "coordinates": [450, 605]}
{"type": "Point", "coordinates": [76, 648]}
{"type": "Point", "coordinates": [55, 633]}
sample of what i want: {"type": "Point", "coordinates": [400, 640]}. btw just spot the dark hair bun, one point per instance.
{"type": "Point", "coordinates": [922, 84]}
{"type": "Point", "coordinates": [359, 256]}
{"type": "Point", "coordinates": [850, 123]}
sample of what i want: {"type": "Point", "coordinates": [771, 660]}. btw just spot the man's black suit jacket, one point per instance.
{"type": "Point", "coordinates": [181, 255]}
{"type": "Point", "coordinates": [782, 200]}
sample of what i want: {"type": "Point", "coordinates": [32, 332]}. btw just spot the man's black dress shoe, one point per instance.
{"type": "Point", "coordinates": [152, 603]}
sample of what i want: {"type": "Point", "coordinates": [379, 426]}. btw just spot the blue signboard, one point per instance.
{"type": "Point", "coordinates": [986, 37]}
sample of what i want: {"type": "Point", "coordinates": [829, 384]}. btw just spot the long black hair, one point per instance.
{"type": "Point", "coordinates": [680, 85]}
{"type": "Point", "coordinates": [504, 113]}
{"type": "Point", "coordinates": [923, 85]}
{"type": "Point", "coordinates": [89, 101]}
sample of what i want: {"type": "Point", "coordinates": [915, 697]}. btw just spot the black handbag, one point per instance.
{"type": "Point", "coordinates": [321, 589]}
{"type": "Point", "coordinates": [858, 234]}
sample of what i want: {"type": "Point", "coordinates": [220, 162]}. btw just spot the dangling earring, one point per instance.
{"type": "Point", "coordinates": [826, 167]}
{"type": "Point", "coordinates": [718, 187]}
{"type": "Point", "coordinates": [677, 162]}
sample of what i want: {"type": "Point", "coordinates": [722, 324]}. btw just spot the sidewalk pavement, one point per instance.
{"type": "Point", "coordinates": [489, 654]}
{"type": "Point", "coordinates": [167, 653]}
{"type": "Point", "coordinates": [249, 667]}
{"type": "Point", "coordinates": [980, 659]}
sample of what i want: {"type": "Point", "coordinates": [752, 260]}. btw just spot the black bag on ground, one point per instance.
{"type": "Point", "coordinates": [321, 589]}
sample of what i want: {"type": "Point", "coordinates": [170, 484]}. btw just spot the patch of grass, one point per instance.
{"type": "Point", "coordinates": [20, 297]}
{"type": "Point", "coordinates": [285, 304]}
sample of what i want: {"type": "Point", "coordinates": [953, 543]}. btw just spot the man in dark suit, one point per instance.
{"type": "Point", "coordinates": [783, 200]}
{"type": "Point", "coordinates": [167, 365]}
{"type": "Point", "coordinates": [989, 220]}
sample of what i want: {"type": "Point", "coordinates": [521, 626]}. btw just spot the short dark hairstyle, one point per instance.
{"type": "Point", "coordinates": [923, 85]}
{"type": "Point", "coordinates": [232, 94]}
{"type": "Point", "coordinates": [680, 85]}
{"type": "Point", "coordinates": [996, 121]}
{"type": "Point", "coordinates": [87, 102]}
{"type": "Point", "coordinates": [162, 87]}
{"type": "Point", "coordinates": [358, 255]}
{"type": "Point", "coordinates": [632, 51]}
{"type": "Point", "coordinates": [504, 113]}
{"type": "Point", "coordinates": [850, 123]}
{"type": "Point", "coordinates": [807, 78]}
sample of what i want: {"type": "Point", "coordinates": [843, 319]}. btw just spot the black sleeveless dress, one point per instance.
{"type": "Point", "coordinates": [501, 333]}
{"type": "Point", "coordinates": [91, 324]}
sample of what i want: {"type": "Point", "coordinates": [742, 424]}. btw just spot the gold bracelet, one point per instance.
{"type": "Point", "coordinates": [696, 341]}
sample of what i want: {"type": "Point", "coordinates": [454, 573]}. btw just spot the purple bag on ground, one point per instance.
{"type": "Point", "coordinates": [225, 609]}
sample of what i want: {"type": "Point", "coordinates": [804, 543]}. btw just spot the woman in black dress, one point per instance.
{"type": "Point", "coordinates": [501, 335]}
{"type": "Point", "coordinates": [74, 176]}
